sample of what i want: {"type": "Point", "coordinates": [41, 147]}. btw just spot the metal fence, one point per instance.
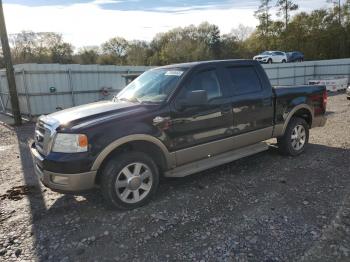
{"type": "Point", "coordinates": [301, 73]}
{"type": "Point", "coordinates": [46, 88]}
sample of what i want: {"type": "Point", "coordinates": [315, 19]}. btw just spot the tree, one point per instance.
{"type": "Point", "coordinates": [264, 17]}
{"type": "Point", "coordinates": [284, 9]}
{"type": "Point", "coordinates": [115, 50]}
{"type": "Point", "coordinates": [242, 32]}
{"type": "Point", "coordinates": [210, 35]}
{"type": "Point", "coordinates": [23, 46]}
{"type": "Point", "coordinates": [137, 53]}
{"type": "Point", "coordinates": [59, 51]}
{"type": "Point", "coordinates": [87, 55]}
{"type": "Point", "coordinates": [46, 47]}
{"type": "Point", "coordinates": [337, 8]}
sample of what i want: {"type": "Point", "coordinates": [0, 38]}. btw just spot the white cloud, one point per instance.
{"type": "Point", "coordinates": [89, 24]}
{"type": "Point", "coordinates": [102, 2]}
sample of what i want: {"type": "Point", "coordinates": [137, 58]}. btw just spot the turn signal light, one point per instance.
{"type": "Point", "coordinates": [83, 141]}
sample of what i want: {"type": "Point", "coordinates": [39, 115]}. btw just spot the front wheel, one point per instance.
{"type": "Point", "coordinates": [269, 61]}
{"type": "Point", "coordinates": [295, 138]}
{"type": "Point", "coordinates": [130, 180]}
{"type": "Point", "coordinates": [284, 61]}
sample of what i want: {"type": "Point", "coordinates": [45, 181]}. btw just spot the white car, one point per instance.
{"type": "Point", "coordinates": [270, 57]}
{"type": "Point", "coordinates": [348, 92]}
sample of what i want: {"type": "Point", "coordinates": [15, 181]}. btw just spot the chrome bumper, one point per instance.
{"type": "Point", "coordinates": [61, 182]}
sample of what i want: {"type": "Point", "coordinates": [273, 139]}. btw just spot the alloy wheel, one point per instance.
{"type": "Point", "coordinates": [298, 137]}
{"type": "Point", "coordinates": [134, 182]}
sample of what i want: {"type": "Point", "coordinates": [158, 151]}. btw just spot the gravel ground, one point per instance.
{"type": "Point", "coordinates": [261, 208]}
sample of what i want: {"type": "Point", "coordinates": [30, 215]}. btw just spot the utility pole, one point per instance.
{"type": "Point", "coordinates": [339, 15]}
{"type": "Point", "coordinates": [9, 69]}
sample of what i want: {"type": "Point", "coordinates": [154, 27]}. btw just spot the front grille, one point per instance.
{"type": "Point", "coordinates": [40, 137]}
{"type": "Point", "coordinates": [44, 133]}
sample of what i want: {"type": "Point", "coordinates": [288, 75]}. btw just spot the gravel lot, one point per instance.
{"type": "Point", "coordinates": [261, 208]}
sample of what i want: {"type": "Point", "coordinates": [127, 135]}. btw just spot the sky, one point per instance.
{"type": "Point", "coordinates": [92, 22]}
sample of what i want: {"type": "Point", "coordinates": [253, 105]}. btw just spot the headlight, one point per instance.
{"type": "Point", "coordinates": [70, 143]}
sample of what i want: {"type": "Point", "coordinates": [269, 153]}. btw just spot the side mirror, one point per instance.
{"type": "Point", "coordinates": [194, 99]}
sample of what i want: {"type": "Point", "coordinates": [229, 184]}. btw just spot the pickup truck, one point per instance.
{"type": "Point", "coordinates": [172, 121]}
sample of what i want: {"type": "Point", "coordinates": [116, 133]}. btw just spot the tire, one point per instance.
{"type": "Point", "coordinates": [129, 180]}
{"type": "Point", "coordinates": [269, 61]}
{"type": "Point", "coordinates": [295, 139]}
{"type": "Point", "coordinates": [284, 61]}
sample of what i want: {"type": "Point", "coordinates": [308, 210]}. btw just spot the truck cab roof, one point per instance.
{"type": "Point", "coordinates": [210, 62]}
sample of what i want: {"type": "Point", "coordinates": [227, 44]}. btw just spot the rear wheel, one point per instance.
{"type": "Point", "coordinates": [295, 138]}
{"type": "Point", "coordinates": [284, 61]}
{"type": "Point", "coordinates": [269, 61]}
{"type": "Point", "coordinates": [130, 180]}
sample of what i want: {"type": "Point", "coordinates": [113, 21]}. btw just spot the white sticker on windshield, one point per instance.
{"type": "Point", "coordinates": [174, 73]}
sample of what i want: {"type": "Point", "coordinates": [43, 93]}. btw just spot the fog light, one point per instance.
{"type": "Point", "coordinates": [62, 180]}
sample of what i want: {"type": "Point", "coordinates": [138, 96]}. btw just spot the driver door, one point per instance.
{"type": "Point", "coordinates": [199, 132]}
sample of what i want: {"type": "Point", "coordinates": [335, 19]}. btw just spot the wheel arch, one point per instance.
{"type": "Point", "coordinates": [302, 110]}
{"type": "Point", "coordinates": [142, 143]}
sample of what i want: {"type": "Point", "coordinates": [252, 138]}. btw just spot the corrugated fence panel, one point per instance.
{"type": "Point", "coordinates": [45, 88]}
{"type": "Point", "coordinates": [338, 68]}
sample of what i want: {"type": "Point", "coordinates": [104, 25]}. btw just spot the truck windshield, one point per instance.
{"type": "Point", "coordinates": [153, 86]}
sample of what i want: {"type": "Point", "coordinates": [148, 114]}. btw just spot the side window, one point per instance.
{"type": "Point", "coordinates": [205, 80]}
{"type": "Point", "coordinates": [244, 80]}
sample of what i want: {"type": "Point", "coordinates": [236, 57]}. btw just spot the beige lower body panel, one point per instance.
{"type": "Point", "coordinates": [218, 160]}
{"type": "Point", "coordinates": [214, 148]}
{"type": "Point", "coordinates": [73, 182]}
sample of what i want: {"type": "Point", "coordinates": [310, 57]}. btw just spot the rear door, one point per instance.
{"type": "Point", "coordinates": [252, 103]}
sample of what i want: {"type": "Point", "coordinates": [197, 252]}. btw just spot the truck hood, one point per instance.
{"type": "Point", "coordinates": [84, 113]}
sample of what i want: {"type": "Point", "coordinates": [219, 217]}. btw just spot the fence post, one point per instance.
{"type": "Point", "coordinates": [27, 94]}
{"type": "Point", "coordinates": [70, 80]}
{"type": "Point", "coordinates": [295, 76]}
{"type": "Point", "coordinates": [314, 74]}
{"type": "Point", "coordinates": [1, 98]}
{"type": "Point", "coordinates": [278, 75]}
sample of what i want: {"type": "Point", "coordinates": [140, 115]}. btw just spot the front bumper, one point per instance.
{"type": "Point", "coordinates": [262, 60]}
{"type": "Point", "coordinates": [61, 182]}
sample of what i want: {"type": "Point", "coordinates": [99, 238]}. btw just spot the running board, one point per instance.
{"type": "Point", "coordinates": [198, 166]}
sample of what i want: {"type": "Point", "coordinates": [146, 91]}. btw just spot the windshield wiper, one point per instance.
{"type": "Point", "coordinates": [150, 102]}
{"type": "Point", "coordinates": [134, 100]}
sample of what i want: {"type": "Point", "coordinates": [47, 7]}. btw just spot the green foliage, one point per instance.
{"type": "Point", "coordinates": [87, 55]}
{"type": "Point", "coordinates": [30, 47]}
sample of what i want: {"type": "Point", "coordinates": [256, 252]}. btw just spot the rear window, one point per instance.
{"type": "Point", "coordinates": [244, 80]}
